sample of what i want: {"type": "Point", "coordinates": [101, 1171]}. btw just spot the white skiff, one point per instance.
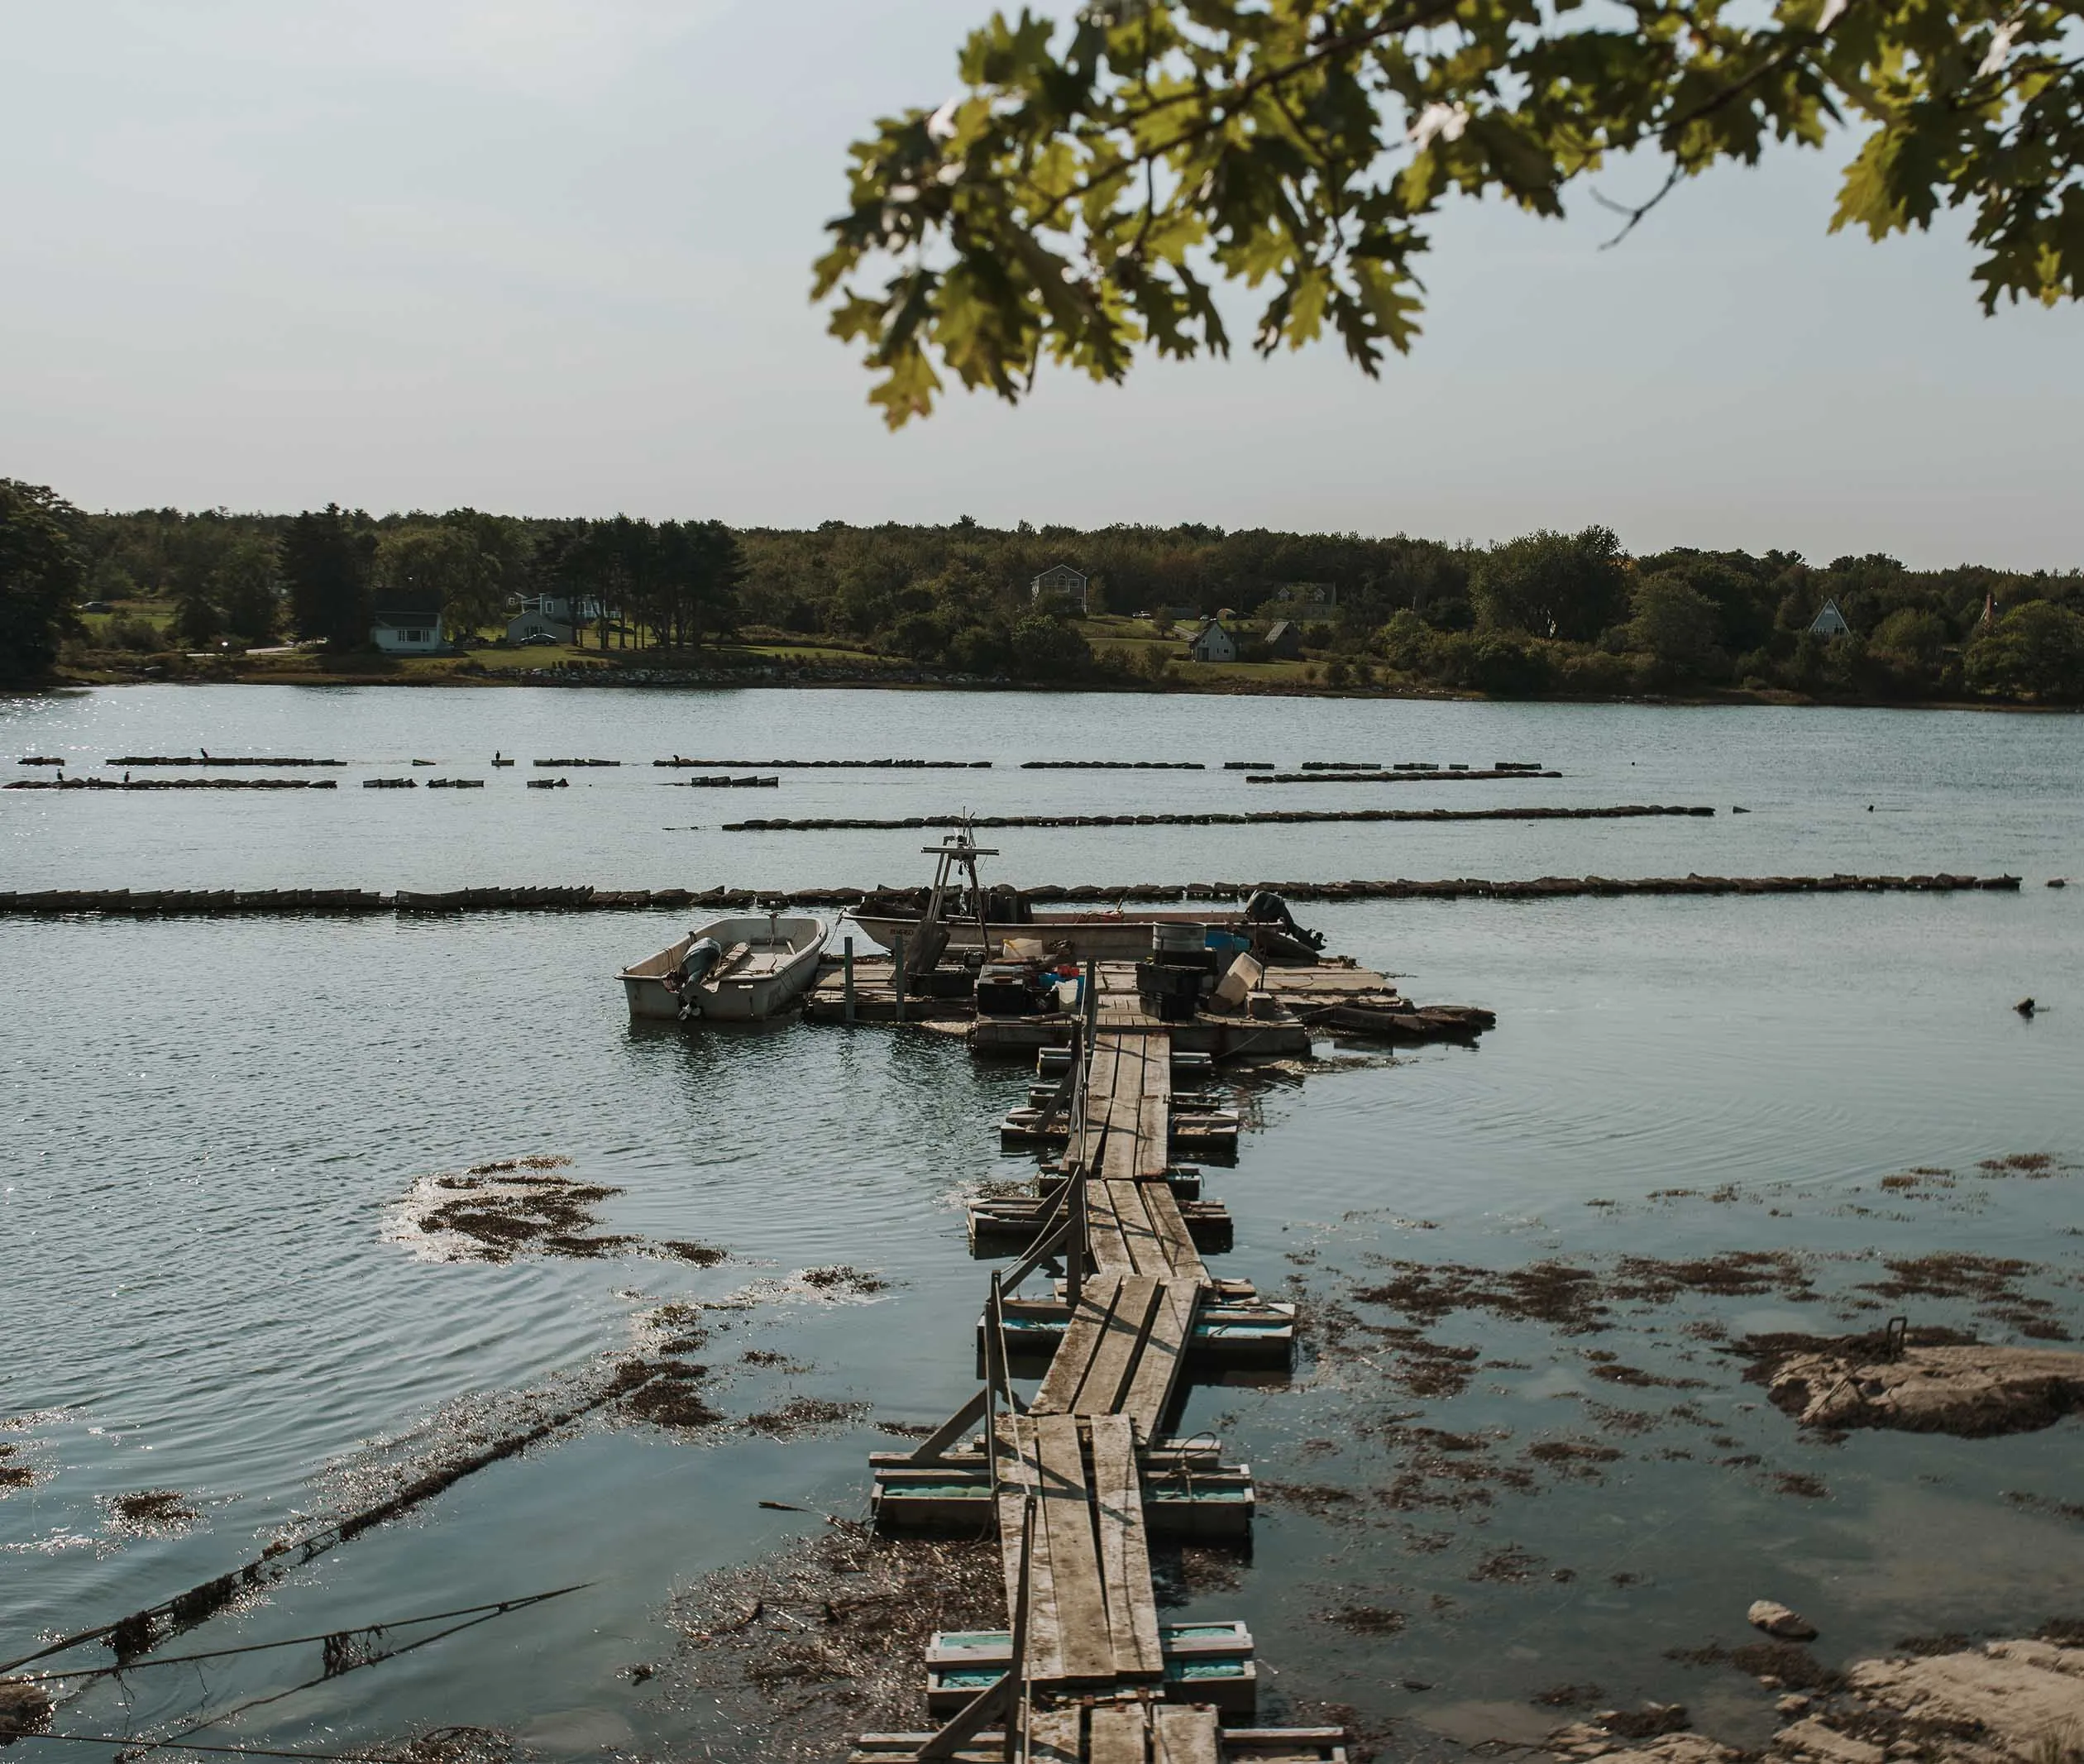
{"type": "Point", "coordinates": [730, 970]}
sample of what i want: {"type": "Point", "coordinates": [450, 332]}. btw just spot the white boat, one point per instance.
{"type": "Point", "coordinates": [730, 971]}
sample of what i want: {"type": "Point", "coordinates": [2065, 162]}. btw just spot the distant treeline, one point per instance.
{"type": "Point", "coordinates": [1568, 613]}
{"type": "Point", "coordinates": [1550, 613]}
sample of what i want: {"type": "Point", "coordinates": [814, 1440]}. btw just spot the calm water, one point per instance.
{"type": "Point", "coordinates": [211, 1127]}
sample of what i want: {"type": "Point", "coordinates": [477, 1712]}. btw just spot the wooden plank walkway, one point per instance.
{"type": "Point", "coordinates": [1090, 1685]}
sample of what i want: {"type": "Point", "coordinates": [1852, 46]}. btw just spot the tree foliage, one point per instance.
{"type": "Point", "coordinates": [1404, 613]}
{"type": "Point", "coordinates": [2035, 651]}
{"type": "Point", "coordinates": [1674, 623]}
{"type": "Point", "coordinates": [42, 574]}
{"type": "Point", "coordinates": [1088, 188]}
{"type": "Point", "coordinates": [246, 586]}
{"type": "Point", "coordinates": [1570, 585]}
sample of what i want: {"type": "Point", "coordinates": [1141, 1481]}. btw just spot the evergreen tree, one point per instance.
{"type": "Point", "coordinates": [42, 574]}
{"type": "Point", "coordinates": [326, 561]}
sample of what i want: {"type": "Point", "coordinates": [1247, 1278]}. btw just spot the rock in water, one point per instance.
{"type": "Point", "coordinates": [1972, 1391]}
{"type": "Point", "coordinates": [1775, 1619]}
{"type": "Point", "coordinates": [2025, 1007]}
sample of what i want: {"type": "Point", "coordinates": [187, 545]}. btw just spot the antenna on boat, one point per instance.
{"type": "Point", "coordinates": [957, 850]}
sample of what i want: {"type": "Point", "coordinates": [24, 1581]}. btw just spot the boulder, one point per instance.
{"type": "Point", "coordinates": [1777, 1619]}
{"type": "Point", "coordinates": [1973, 1391]}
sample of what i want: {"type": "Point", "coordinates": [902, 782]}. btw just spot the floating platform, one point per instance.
{"type": "Point", "coordinates": [1121, 1733]}
{"type": "Point", "coordinates": [1225, 1336]}
{"type": "Point", "coordinates": [1187, 1491]}
{"type": "Point", "coordinates": [1006, 1226]}
{"type": "Point", "coordinates": [1205, 1663]}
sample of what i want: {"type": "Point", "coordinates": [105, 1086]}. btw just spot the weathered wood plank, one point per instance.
{"type": "Point", "coordinates": [1007, 1502]}
{"type": "Point", "coordinates": [1124, 1556]}
{"type": "Point", "coordinates": [1187, 1735]}
{"type": "Point", "coordinates": [1087, 1646]}
{"type": "Point", "coordinates": [1109, 1372]}
{"type": "Point", "coordinates": [1168, 1227]}
{"type": "Point", "coordinates": [1118, 1157]}
{"type": "Point", "coordinates": [1053, 1736]}
{"type": "Point", "coordinates": [1145, 1243]}
{"type": "Point", "coordinates": [1106, 1241]}
{"type": "Point", "coordinates": [1082, 1339]}
{"type": "Point", "coordinates": [1020, 1475]}
{"type": "Point", "coordinates": [1085, 1149]}
{"type": "Point", "coordinates": [1119, 1732]}
{"type": "Point", "coordinates": [1154, 1138]}
{"type": "Point", "coordinates": [1149, 1392]}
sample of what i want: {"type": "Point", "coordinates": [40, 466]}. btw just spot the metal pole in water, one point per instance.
{"type": "Point", "coordinates": [897, 975]}
{"type": "Point", "coordinates": [846, 951]}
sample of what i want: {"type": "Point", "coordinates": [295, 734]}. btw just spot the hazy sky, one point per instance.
{"type": "Point", "coordinates": [551, 256]}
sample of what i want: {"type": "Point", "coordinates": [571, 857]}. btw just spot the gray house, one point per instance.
{"type": "Point", "coordinates": [1212, 642]}
{"type": "Point", "coordinates": [1059, 583]}
{"type": "Point", "coordinates": [556, 617]}
{"type": "Point", "coordinates": [1284, 640]}
{"type": "Point", "coordinates": [1830, 622]}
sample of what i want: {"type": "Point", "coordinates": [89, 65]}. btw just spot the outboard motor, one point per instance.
{"type": "Point", "coordinates": [702, 956]}
{"type": "Point", "coordinates": [1266, 907]}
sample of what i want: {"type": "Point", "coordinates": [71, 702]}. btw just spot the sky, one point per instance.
{"type": "Point", "coordinates": [552, 258]}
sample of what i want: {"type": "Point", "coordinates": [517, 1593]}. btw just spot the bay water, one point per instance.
{"type": "Point", "coordinates": [214, 1131]}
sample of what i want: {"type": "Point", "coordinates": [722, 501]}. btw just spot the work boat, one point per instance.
{"type": "Point", "coordinates": [729, 971]}
{"type": "Point", "coordinates": [975, 917]}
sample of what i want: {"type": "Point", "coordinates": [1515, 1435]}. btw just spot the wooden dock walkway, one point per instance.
{"type": "Point", "coordinates": [1086, 1674]}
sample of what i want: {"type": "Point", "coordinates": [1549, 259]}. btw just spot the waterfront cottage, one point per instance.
{"type": "Point", "coordinates": [1830, 622]}
{"type": "Point", "coordinates": [406, 625]}
{"type": "Point", "coordinates": [1212, 642]}
{"type": "Point", "coordinates": [1059, 583]}
{"type": "Point", "coordinates": [551, 617]}
{"type": "Point", "coordinates": [1284, 640]}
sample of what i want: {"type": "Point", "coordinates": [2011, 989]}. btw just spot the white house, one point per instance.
{"type": "Point", "coordinates": [1059, 582]}
{"type": "Point", "coordinates": [406, 626]}
{"type": "Point", "coordinates": [1830, 622]}
{"type": "Point", "coordinates": [1213, 643]}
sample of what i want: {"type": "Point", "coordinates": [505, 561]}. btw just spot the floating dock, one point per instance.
{"type": "Point", "coordinates": [1077, 1480]}
{"type": "Point", "coordinates": [1277, 1019]}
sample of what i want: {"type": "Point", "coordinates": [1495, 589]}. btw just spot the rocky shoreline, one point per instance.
{"type": "Point", "coordinates": [2019, 1700]}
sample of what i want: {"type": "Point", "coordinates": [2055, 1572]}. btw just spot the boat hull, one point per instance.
{"type": "Point", "coordinates": [729, 998]}
{"type": "Point", "coordinates": [1106, 937]}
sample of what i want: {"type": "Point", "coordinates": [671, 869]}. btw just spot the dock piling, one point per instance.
{"type": "Point", "coordinates": [847, 955]}
{"type": "Point", "coordinates": [897, 973]}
